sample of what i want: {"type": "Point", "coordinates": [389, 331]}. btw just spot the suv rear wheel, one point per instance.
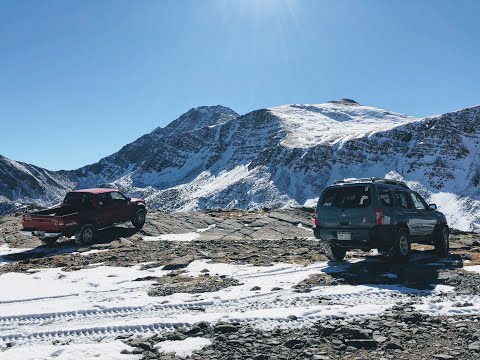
{"type": "Point", "coordinates": [401, 247]}
{"type": "Point", "coordinates": [334, 253]}
{"type": "Point", "coordinates": [85, 235]}
{"type": "Point", "coordinates": [441, 242]}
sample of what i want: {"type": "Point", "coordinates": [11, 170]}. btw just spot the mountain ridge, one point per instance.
{"type": "Point", "coordinates": [211, 157]}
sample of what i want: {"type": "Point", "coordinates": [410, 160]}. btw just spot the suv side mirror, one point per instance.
{"type": "Point", "coordinates": [129, 199]}
{"type": "Point", "coordinates": [432, 206]}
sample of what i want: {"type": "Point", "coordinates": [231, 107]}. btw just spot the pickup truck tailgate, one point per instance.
{"type": "Point", "coordinates": [41, 223]}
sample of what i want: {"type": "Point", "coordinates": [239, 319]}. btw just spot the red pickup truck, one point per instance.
{"type": "Point", "coordinates": [82, 213]}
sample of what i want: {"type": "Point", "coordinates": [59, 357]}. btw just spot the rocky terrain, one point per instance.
{"type": "Point", "coordinates": [243, 285]}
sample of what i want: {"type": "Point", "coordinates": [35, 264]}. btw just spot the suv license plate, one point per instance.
{"type": "Point", "coordinates": [344, 236]}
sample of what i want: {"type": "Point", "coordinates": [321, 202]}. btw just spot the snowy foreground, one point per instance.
{"type": "Point", "coordinates": [84, 311]}
{"type": "Point", "coordinates": [232, 285]}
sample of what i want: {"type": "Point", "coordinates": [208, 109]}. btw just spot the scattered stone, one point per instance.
{"type": "Point", "coordinates": [225, 328]}
{"type": "Point", "coordinates": [475, 346]}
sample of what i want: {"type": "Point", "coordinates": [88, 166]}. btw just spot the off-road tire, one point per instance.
{"type": "Point", "coordinates": [138, 219]}
{"type": "Point", "coordinates": [441, 241]}
{"type": "Point", "coordinates": [334, 253]}
{"type": "Point", "coordinates": [401, 249]}
{"type": "Point", "coordinates": [85, 235]}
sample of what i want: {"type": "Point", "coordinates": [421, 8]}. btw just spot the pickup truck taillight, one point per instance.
{"type": "Point", "coordinates": [379, 216]}
{"type": "Point", "coordinates": [315, 219]}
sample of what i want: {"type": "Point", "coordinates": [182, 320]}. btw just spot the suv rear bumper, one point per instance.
{"type": "Point", "coordinates": [380, 236]}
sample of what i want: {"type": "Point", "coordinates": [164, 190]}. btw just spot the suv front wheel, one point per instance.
{"type": "Point", "coordinates": [441, 242]}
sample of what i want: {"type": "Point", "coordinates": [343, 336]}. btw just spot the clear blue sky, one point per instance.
{"type": "Point", "coordinates": [81, 78]}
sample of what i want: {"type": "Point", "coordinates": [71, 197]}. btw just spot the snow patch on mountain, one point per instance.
{"type": "Point", "coordinates": [333, 123]}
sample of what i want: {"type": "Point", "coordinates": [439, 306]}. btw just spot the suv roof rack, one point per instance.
{"type": "Point", "coordinates": [371, 179]}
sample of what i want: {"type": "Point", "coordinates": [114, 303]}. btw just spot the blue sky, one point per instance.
{"type": "Point", "coordinates": [80, 79]}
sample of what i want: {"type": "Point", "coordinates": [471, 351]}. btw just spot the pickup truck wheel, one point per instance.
{"type": "Point", "coordinates": [139, 218]}
{"type": "Point", "coordinates": [334, 253]}
{"type": "Point", "coordinates": [85, 235]}
{"type": "Point", "coordinates": [441, 242]}
{"type": "Point", "coordinates": [401, 247]}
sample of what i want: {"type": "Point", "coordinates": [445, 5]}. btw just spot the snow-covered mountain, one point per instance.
{"type": "Point", "coordinates": [22, 183]}
{"type": "Point", "coordinates": [211, 157]}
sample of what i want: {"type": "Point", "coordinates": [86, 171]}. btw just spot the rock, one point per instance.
{"type": "Point", "coordinates": [442, 356]}
{"type": "Point", "coordinates": [379, 338]}
{"type": "Point", "coordinates": [355, 332]}
{"type": "Point", "coordinates": [203, 325]}
{"type": "Point", "coordinates": [195, 330]}
{"type": "Point", "coordinates": [475, 346]}
{"type": "Point", "coordinates": [361, 343]}
{"type": "Point", "coordinates": [261, 357]}
{"type": "Point", "coordinates": [394, 345]}
{"type": "Point", "coordinates": [292, 342]}
{"type": "Point", "coordinates": [326, 330]}
{"type": "Point", "coordinates": [179, 263]}
{"type": "Point", "coordinates": [255, 288]}
{"type": "Point", "coordinates": [175, 336]}
{"type": "Point", "coordinates": [141, 343]}
{"type": "Point", "coordinates": [225, 328]}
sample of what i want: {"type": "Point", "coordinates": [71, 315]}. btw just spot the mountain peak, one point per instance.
{"type": "Point", "coordinates": [344, 101]}
{"type": "Point", "coordinates": [199, 117]}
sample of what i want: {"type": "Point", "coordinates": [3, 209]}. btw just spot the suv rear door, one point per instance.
{"type": "Point", "coordinates": [348, 206]}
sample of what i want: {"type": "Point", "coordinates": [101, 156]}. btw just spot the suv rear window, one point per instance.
{"type": "Point", "coordinates": [348, 197]}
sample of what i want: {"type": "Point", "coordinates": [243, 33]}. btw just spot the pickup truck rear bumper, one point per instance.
{"type": "Point", "coordinates": [40, 234]}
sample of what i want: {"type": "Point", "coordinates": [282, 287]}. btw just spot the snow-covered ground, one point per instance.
{"type": "Point", "coordinates": [94, 305]}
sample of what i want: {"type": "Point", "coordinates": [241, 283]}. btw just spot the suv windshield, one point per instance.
{"type": "Point", "coordinates": [348, 197]}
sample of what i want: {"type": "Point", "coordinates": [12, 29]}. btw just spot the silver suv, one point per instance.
{"type": "Point", "coordinates": [377, 213]}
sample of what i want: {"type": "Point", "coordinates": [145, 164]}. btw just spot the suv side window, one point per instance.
{"type": "Point", "coordinates": [403, 200]}
{"type": "Point", "coordinates": [418, 202]}
{"type": "Point", "coordinates": [384, 198]}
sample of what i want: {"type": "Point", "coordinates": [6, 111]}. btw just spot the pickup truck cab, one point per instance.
{"type": "Point", "coordinates": [375, 213]}
{"type": "Point", "coordinates": [82, 213]}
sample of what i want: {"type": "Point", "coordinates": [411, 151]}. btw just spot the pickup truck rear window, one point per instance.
{"type": "Point", "coordinates": [78, 200]}
{"type": "Point", "coordinates": [347, 197]}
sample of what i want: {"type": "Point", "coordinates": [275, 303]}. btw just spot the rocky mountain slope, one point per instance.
{"type": "Point", "coordinates": [213, 158]}
{"type": "Point", "coordinates": [22, 183]}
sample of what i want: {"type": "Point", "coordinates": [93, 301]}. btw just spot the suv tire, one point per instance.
{"type": "Point", "coordinates": [85, 235]}
{"type": "Point", "coordinates": [334, 253]}
{"type": "Point", "coordinates": [139, 218]}
{"type": "Point", "coordinates": [401, 248]}
{"type": "Point", "coordinates": [441, 242]}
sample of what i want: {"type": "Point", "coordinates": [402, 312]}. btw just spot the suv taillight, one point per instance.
{"type": "Point", "coordinates": [315, 219]}
{"type": "Point", "coordinates": [379, 216]}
